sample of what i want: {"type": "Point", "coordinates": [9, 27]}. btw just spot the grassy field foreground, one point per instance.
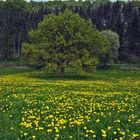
{"type": "Point", "coordinates": [102, 106]}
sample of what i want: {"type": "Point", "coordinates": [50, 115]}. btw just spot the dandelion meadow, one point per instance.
{"type": "Point", "coordinates": [102, 106]}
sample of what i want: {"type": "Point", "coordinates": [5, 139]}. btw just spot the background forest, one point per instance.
{"type": "Point", "coordinates": [17, 17]}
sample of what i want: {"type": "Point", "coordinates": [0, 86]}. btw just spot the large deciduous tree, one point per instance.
{"type": "Point", "coordinates": [64, 40]}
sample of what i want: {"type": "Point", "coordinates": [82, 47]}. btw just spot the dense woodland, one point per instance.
{"type": "Point", "coordinates": [17, 17]}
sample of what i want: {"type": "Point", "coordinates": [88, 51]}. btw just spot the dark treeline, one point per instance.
{"type": "Point", "coordinates": [17, 17]}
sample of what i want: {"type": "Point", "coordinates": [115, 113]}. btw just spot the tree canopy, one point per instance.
{"type": "Point", "coordinates": [113, 51]}
{"type": "Point", "coordinates": [64, 40]}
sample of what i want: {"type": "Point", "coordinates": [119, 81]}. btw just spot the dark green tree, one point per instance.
{"type": "Point", "coordinates": [132, 42]}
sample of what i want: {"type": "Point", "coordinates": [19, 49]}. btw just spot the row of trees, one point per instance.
{"type": "Point", "coordinates": [17, 17]}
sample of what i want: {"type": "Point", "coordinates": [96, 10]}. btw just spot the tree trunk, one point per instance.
{"type": "Point", "coordinates": [62, 69]}
{"type": "Point", "coordinates": [14, 46]}
{"type": "Point", "coordinates": [19, 46]}
{"type": "Point", "coordinates": [1, 49]}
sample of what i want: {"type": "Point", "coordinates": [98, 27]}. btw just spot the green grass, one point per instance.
{"type": "Point", "coordinates": [104, 105]}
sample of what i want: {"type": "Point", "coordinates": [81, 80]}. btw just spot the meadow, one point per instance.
{"type": "Point", "coordinates": [104, 105]}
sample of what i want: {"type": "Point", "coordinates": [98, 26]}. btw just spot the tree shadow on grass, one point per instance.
{"type": "Point", "coordinates": [98, 75]}
{"type": "Point", "coordinates": [104, 75]}
{"type": "Point", "coordinates": [54, 76]}
{"type": "Point", "coordinates": [94, 76]}
{"type": "Point", "coordinates": [39, 74]}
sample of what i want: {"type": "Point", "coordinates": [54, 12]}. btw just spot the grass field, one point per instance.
{"type": "Point", "coordinates": [104, 105]}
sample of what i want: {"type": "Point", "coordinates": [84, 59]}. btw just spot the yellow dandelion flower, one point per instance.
{"type": "Point", "coordinates": [33, 136]}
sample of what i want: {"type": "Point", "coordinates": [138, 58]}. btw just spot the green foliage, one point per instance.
{"type": "Point", "coordinates": [113, 50]}
{"type": "Point", "coordinates": [19, 16]}
{"type": "Point", "coordinates": [64, 40]}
